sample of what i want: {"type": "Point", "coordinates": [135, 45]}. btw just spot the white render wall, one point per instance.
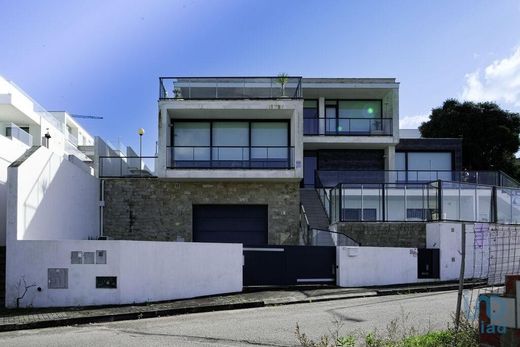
{"type": "Point", "coordinates": [447, 237]}
{"type": "Point", "coordinates": [10, 150]}
{"type": "Point", "coordinates": [375, 266]}
{"type": "Point", "coordinates": [50, 198]}
{"type": "Point", "coordinates": [146, 271]}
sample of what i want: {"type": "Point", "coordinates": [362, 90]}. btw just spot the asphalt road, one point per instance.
{"type": "Point", "coordinates": [269, 326]}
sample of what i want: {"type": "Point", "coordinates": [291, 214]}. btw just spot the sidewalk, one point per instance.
{"type": "Point", "coordinates": [41, 318]}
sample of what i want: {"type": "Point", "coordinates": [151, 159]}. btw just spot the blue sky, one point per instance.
{"type": "Point", "coordinates": [104, 57]}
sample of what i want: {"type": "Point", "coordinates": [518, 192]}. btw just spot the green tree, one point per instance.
{"type": "Point", "coordinates": [490, 135]}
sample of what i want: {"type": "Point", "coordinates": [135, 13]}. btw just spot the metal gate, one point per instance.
{"type": "Point", "coordinates": [289, 265]}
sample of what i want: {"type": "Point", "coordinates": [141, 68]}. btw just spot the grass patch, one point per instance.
{"type": "Point", "coordinates": [399, 333]}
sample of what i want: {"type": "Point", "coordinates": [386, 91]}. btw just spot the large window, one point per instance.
{"type": "Point", "coordinates": [229, 140]}
{"type": "Point", "coordinates": [424, 166]}
{"type": "Point", "coordinates": [191, 140]}
{"type": "Point", "coordinates": [231, 144]}
{"type": "Point", "coordinates": [359, 109]}
{"type": "Point", "coordinates": [355, 117]}
{"type": "Point", "coordinates": [269, 140]}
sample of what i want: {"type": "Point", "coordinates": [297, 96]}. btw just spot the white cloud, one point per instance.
{"type": "Point", "coordinates": [412, 122]}
{"type": "Point", "coordinates": [499, 82]}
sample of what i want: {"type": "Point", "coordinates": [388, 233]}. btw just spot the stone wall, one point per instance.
{"type": "Point", "coordinates": [161, 210]}
{"type": "Point", "coordinates": [385, 234]}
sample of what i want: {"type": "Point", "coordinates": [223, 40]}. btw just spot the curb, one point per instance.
{"type": "Point", "coordinates": [128, 316]}
{"type": "Point", "coordinates": [212, 308]}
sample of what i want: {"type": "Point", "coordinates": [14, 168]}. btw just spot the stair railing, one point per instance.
{"type": "Point", "coordinates": [305, 227]}
{"type": "Point", "coordinates": [323, 195]}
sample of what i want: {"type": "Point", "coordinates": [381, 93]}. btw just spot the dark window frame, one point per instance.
{"type": "Point", "coordinates": [249, 145]}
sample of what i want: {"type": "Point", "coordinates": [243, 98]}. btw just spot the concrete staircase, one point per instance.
{"type": "Point", "coordinates": [2, 276]}
{"type": "Point", "coordinates": [314, 209]}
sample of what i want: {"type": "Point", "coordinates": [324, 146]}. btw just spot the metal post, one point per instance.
{"type": "Point", "coordinates": [140, 154]}
{"type": "Point", "coordinates": [461, 276]}
{"type": "Point", "coordinates": [439, 199]}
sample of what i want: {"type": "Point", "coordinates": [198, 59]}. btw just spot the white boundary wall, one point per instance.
{"type": "Point", "coordinates": [447, 237]}
{"type": "Point", "coordinates": [375, 266]}
{"type": "Point", "coordinates": [50, 198]}
{"type": "Point", "coordinates": [146, 271]}
{"type": "Point", "coordinates": [10, 150]}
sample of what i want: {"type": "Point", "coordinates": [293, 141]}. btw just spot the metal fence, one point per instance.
{"type": "Point", "coordinates": [489, 252]}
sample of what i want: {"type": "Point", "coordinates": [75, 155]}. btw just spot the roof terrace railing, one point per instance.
{"type": "Point", "coordinates": [203, 88]}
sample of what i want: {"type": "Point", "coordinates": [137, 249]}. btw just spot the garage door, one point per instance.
{"type": "Point", "coordinates": [246, 224]}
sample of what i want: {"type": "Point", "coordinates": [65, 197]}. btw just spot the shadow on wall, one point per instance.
{"type": "Point", "coordinates": [3, 207]}
{"type": "Point", "coordinates": [61, 202]}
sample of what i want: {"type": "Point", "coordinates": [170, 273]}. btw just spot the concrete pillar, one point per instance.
{"type": "Point", "coordinates": [395, 114]}
{"type": "Point", "coordinates": [321, 114]}
{"type": "Point", "coordinates": [163, 153]}
{"type": "Point", "coordinates": [390, 158]}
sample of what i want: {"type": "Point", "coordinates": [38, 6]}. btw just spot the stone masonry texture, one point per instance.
{"type": "Point", "coordinates": [386, 234]}
{"type": "Point", "coordinates": [161, 210]}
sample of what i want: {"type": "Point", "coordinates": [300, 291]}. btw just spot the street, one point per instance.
{"type": "Point", "coordinates": [268, 326]}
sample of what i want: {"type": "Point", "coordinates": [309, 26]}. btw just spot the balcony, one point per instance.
{"type": "Point", "coordinates": [204, 88]}
{"type": "Point", "coordinates": [14, 132]}
{"type": "Point", "coordinates": [343, 126]}
{"type": "Point", "coordinates": [230, 157]}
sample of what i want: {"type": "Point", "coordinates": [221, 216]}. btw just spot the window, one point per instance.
{"type": "Point", "coordinates": [310, 117]}
{"type": "Point", "coordinates": [310, 108]}
{"type": "Point", "coordinates": [429, 161]}
{"type": "Point", "coordinates": [359, 109]}
{"type": "Point", "coordinates": [269, 140]}
{"type": "Point", "coordinates": [419, 213]}
{"type": "Point", "coordinates": [191, 140]}
{"type": "Point", "coordinates": [229, 140]}
{"type": "Point", "coordinates": [354, 214]}
{"type": "Point", "coordinates": [231, 144]}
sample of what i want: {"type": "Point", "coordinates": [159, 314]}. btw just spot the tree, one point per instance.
{"type": "Point", "coordinates": [490, 135]}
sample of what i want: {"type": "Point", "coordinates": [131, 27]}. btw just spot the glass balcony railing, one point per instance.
{"type": "Point", "coordinates": [14, 132]}
{"type": "Point", "coordinates": [230, 157]}
{"type": "Point", "coordinates": [434, 201]}
{"type": "Point", "coordinates": [193, 88]}
{"type": "Point", "coordinates": [347, 126]}
{"type": "Point", "coordinates": [330, 178]}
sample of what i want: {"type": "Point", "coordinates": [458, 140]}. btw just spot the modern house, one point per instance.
{"type": "Point", "coordinates": [257, 181]}
{"type": "Point", "coordinates": [250, 159]}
